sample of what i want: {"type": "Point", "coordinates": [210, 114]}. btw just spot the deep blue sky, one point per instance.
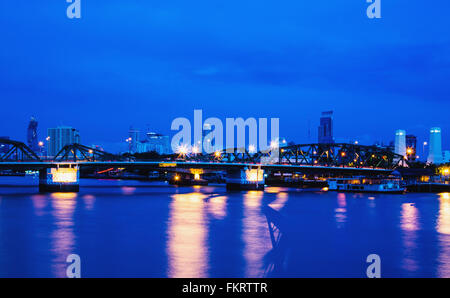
{"type": "Point", "coordinates": [143, 63]}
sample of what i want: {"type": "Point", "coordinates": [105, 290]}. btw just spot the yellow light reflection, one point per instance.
{"type": "Point", "coordinates": [443, 227]}
{"type": "Point", "coordinates": [409, 217]}
{"type": "Point", "coordinates": [255, 234]}
{"type": "Point", "coordinates": [409, 223]}
{"type": "Point", "coordinates": [443, 224]}
{"type": "Point", "coordinates": [187, 233]}
{"type": "Point", "coordinates": [274, 189]}
{"type": "Point", "coordinates": [217, 207]}
{"type": "Point", "coordinates": [62, 238]}
{"type": "Point", "coordinates": [281, 200]}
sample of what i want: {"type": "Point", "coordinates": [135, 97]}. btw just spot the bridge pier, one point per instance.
{"type": "Point", "coordinates": [64, 178]}
{"type": "Point", "coordinates": [245, 179]}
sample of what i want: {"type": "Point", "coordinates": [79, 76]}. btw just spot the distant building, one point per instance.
{"type": "Point", "coordinates": [326, 128]}
{"type": "Point", "coordinates": [154, 142]}
{"type": "Point", "coordinates": [435, 150]}
{"type": "Point", "coordinates": [32, 137]}
{"type": "Point", "coordinates": [61, 136]}
{"type": "Point", "coordinates": [446, 156]}
{"type": "Point", "coordinates": [400, 142]}
{"type": "Point", "coordinates": [133, 140]}
{"type": "Point", "coordinates": [4, 148]}
{"type": "Point", "coordinates": [411, 147]}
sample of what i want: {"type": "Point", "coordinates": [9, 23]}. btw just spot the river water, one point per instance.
{"type": "Point", "coordinates": [151, 229]}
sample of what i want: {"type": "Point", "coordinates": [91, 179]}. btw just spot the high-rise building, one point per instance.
{"type": "Point", "coordinates": [435, 150]}
{"type": "Point", "coordinates": [326, 128]}
{"type": "Point", "coordinates": [400, 142]}
{"type": "Point", "coordinates": [4, 148]}
{"type": "Point", "coordinates": [32, 137]}
{"type": "Point", "coordinates": [133, 140]}
{"type": "Point", "coordinates": [411, 147]}
{"type": "Point", "coordinates": [61, 136]}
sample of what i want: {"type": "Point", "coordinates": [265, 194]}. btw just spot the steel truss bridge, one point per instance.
{"type": "Point", "coordinates": [311, 158]}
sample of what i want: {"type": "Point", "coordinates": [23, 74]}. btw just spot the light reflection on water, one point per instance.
{"type": "Point", "coordinates": [409, 223]}
{"type": "Point", "coordinates": [63, 237]}
{"type": "Point", "coordinates": [209, 232]}
{"type": "Point", "coordinates": [341, 211]}
{"type": "Point", "coordinates": [255, 234]}
{"type": "Point", "coordinates": [186, 248]}
{"type": "Point", "coordinates": [443, 227]}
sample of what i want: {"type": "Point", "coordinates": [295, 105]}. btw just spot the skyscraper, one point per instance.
{"type": "Point", "coordinates": [133, 140]}
{"type": "Point", "coordinates": [326, 128]}
{"type": "Point", "coordinates": [60, 137]}
{"type": "Point", "coordinates": [400, 142]}
{"type": "Point", "coordinates": [435, 151]}
{"type": "Point", "coordinates": [411, 147]}
{"type": "Point", "coordinates": [32, 137]}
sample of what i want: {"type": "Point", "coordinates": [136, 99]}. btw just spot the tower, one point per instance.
{"type": "Point", "coordinates": [32, 138]}
{"type": "Point", "coordinates": [326, 128]}
{"type": "Point", "coordinates": [435, 150]}
{"type": "Point", "coordinates": [400, 142]}
{"type": "Point", "coordinates": [61, 136]}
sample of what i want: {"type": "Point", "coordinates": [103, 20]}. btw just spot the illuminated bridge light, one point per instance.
{"type": "Point", "coordinates": [64, 175]}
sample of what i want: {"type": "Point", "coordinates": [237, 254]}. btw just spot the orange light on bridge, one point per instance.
{"type": "Point", "coordinates": [217, 154]}
{"type": "Point", "coordinates": [64, 175]}
{"type": "Point", "coordinates": [254, 175]}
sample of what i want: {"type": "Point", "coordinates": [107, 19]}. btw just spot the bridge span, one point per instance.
{"type": "Point", "coordinates": [241, 166]}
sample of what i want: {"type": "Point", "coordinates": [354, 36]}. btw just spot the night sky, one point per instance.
{"type": "Point", "coordinates": [144, 63]}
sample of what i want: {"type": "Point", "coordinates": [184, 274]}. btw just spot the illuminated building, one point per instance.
{"type": "Point", "coordinates": [61, 136]}
{"type": "Point", "coordinates": [326, 128]}
{"type": "Point", "coordinates": [411, 147]}
{"type": "Point", "coordinates": [32, 138]}
{"type": "Point", "coordinates": [435, 150]}
{"type": "Point", "coordinates": [400, 142]}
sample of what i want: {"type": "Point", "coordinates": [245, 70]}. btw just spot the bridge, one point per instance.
{"type": "Point", "coordinates": [240, 165]}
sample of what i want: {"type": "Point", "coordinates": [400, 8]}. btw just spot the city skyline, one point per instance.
{"type": "Point", "coordinates": [365, 70]}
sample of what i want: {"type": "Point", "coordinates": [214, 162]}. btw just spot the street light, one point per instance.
{"type": "Point", "coordinates": [424, 144]}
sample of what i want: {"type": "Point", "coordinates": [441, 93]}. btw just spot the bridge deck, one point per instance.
{"type": "Point", "coordinates": [184, 164]}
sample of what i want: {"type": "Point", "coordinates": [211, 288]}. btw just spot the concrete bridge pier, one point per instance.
{"type": "Point", "coordinates": [63, 178]}
{"type": "Point", "coordinates": [245, 179]}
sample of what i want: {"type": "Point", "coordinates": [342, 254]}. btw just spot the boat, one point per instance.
{"type": "Point", "coordinates": [431, 186]}
{"type": "Point", "coordinates": [363, 184]}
